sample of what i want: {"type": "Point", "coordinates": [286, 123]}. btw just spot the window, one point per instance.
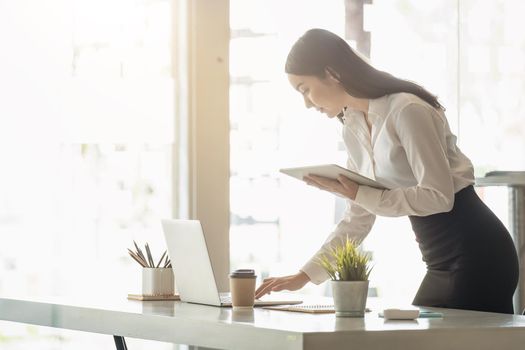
{"type": "Point", "coordinates": [459, 50]}
{"type": "Point", "coordinates": [270, 128]}
{"type": "Point", "coordinates": [86, 128]}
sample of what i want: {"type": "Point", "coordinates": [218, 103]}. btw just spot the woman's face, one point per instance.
{"type": "Point", "coordinates": [326, 94]}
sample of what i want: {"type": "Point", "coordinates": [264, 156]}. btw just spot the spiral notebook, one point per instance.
{"type": "Point", "coordinates": [309, 308]}
{"type": "Point", "coordinates": [142, 297]}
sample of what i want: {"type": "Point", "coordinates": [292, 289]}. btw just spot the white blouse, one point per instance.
{"type": "Point", "coordinates": [411, 150]}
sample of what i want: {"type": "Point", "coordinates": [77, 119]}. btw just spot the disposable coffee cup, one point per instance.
{"type": "Point", "coordinates": [242, 287]}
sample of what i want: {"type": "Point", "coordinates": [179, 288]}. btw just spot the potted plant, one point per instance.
{"type": "Point", "coordinates": [348, 268]}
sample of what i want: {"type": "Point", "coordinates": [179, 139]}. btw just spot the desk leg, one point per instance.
{"type": "Point", "coordinates": [120, 342]}
{"type": "Point", "coordinates": [517, 229]}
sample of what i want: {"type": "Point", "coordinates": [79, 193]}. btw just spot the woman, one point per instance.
{"type": "Point", "coordinates": [396, 132]}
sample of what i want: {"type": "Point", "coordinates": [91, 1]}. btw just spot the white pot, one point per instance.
{"type": "Point", "coordinates": [350, 298]}
{"type": "Point", "coordinates": [158, 281]}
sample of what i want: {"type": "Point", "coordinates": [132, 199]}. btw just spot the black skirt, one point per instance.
{"type": "Point", "coordinates": [471, 259]}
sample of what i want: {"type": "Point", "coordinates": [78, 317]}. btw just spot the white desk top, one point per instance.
{"type": "Point", "coordinates": [216, 327]}
{"type": "Point", "coordinates": [502, 178]}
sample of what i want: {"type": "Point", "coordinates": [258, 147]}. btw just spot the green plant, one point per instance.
{"type": "Point", "coordinates": [346, 262]}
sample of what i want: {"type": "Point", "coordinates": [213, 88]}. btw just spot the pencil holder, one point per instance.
{"type": "Point", "coordinates": [158, 281]}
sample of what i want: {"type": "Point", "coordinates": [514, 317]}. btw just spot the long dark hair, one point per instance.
{"type": "Point", "coordinates": [319, 50]}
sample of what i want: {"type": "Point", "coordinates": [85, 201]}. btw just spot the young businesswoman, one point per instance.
{"type": "Point", "coordinates": [396, 132]}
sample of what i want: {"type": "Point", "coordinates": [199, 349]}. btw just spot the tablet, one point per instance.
{"type": "Point", "coordinates": [331, 171]}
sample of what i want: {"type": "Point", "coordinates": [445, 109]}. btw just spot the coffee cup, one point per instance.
{"type": "Point", "coordinates": [242, 287]}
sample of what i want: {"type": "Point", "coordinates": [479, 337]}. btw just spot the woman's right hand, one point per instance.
{"type": "Point", "coordinates": [276, 284]}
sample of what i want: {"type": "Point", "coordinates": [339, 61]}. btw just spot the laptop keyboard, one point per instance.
{"type": "Point", "coordinates": [227, 299]}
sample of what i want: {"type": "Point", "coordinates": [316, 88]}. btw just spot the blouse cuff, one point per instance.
{"type": "Point", "coordinates": [315, 271]}
{"type": "Point", "coordinates": [368, 198]}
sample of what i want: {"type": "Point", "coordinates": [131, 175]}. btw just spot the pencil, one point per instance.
{"type": "Point", "coordinates": [150, 258]}
{"type": "Point", "coordinates": [166, 260]}
{"type": "Point", "coordinates": [142, 258]}
{"type": "Point", "coordinates": [134, 255]}
{"type": "Point", "coordinates": [137, 259]}
{"type": "Point", "coordinates": [139, 251]}
{"type": "Point", "coordinates": [162, 257]}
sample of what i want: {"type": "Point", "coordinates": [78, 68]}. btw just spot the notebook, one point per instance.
{"type": "Point", "coordinates": [143, 297]}
{"type": "Point", "coordinates": [308, 308]}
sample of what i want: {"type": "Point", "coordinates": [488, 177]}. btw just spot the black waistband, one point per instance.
{"type": "Point", "coordinates": [462, 199]}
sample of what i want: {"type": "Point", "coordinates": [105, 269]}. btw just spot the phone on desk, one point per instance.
{"type": "Point", "coordinates": [408, 314]}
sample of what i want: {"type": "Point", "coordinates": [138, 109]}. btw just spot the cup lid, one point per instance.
{"type": "Point", "coordinates": [243, 273]}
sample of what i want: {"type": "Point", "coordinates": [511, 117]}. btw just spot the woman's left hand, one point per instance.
{"type": "Point", "coordinates": [342, 186]}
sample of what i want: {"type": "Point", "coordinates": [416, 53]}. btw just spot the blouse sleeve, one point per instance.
{"type": "Point", "coordinates": [356, 224]}
{"type": "Point", "coordinates": [421, 132]}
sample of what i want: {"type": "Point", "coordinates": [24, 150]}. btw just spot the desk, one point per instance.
{"type": "Point", "coordinates": [224, 328]}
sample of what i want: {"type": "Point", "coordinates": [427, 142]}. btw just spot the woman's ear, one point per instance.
{"type": "Point", "coordinates": [332, 74]}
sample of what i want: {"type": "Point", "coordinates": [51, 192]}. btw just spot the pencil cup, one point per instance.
{"type": "Point", "coordinates": [158, 281]}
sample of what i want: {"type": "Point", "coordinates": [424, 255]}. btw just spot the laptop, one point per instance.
{"type": "Point", "coordinates": [191, 262]}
